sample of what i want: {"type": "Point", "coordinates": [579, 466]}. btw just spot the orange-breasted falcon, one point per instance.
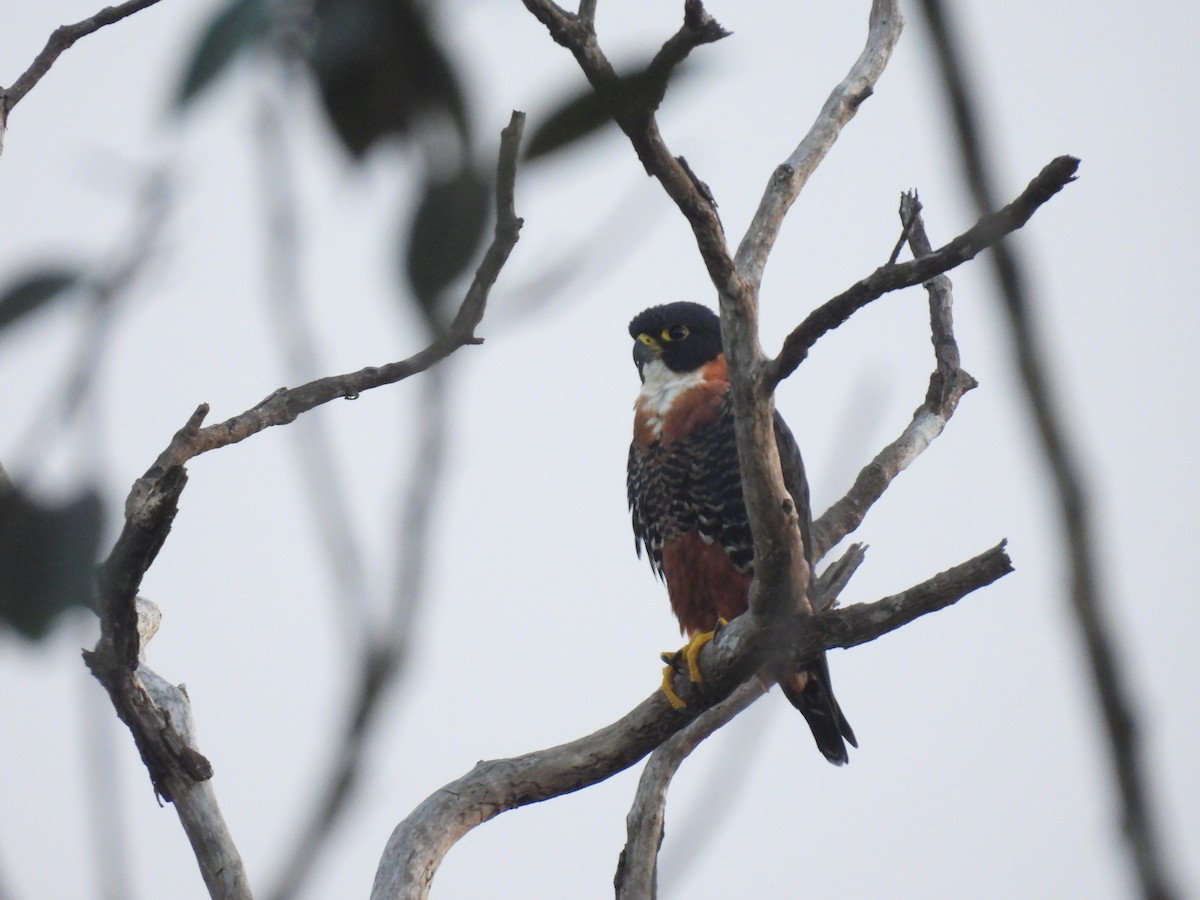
{"type": "Point", "coordinates": [685, 494]}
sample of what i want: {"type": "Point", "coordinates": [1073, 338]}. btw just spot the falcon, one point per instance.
{"type": "Point", "coordinates": [685, 496]}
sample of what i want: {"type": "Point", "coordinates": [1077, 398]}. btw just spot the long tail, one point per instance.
{"type": "Point", "coordinates": [810, 691]}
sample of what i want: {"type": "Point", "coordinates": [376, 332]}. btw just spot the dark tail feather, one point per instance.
{"type": "Point", "coordinates": [810, 691]}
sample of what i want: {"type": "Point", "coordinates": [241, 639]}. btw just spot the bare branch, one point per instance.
{"type": "Point", "coordinates": [637, 868]}
{"type": "Point", "coordinates": [639, 124]}
{"type": "Point", "coordinates": [985, 233]}
{"type": "Point", "coordinates": [1139, 821]}
{"type": "Point", "coordinates": [417, 845]}
{"type": "Point", "coordinates": [61, 39]}
{"type": "Point", "coordinates": [947, 384]}
{"type": "Point", "coordinates": [285, 405]}
{"type": "Point", "coordinates": [196, 801]}
{"type": "Point", "coordinates": [153, 502]}
{"type": "Point", "coordinates": [789, 179]}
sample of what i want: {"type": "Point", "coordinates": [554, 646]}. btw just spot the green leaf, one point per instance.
{"type": "Point", "coordinates": [33, 291]}
{"type": "Point", "coordinates": [239, 25]}
{"type": "Point", "coordinates": [447, 229]}
{"type": "Point", "coordinates": [47, 558]}
{"type": "Point", "coordinates": [380, 68]}
{"type": "Point", "coordinates": [586, 112]}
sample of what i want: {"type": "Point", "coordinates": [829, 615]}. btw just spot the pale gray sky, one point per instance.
{"type": "Point", "coordinates": [980, 771]}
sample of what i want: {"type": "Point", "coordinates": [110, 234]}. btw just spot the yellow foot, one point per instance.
{"type": "Point", "coordinates": [668, 689]}
{"type": "Point", "coordinates": [690, 652]}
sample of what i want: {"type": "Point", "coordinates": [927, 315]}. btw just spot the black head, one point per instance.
{"type": "Point", "coordinates": [683, 335]}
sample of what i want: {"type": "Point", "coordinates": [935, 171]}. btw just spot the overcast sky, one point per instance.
{"type": "Point", "coordinates": [980, 772]}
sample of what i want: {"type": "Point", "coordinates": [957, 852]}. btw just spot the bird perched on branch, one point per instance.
{"type": "Point", "coordinates": [685, 494]}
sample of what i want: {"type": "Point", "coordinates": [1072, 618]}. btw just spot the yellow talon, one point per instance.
{"type": "Point", "coordinates": [692, 651]}
{"type": "Point", "coordinates": [667, 688]}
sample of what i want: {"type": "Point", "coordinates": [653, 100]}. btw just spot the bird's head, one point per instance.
{"type": "Point", "coordinates": [683, 336]}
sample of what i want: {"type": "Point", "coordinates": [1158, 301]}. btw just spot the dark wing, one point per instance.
{"type": "Point", "coordinates": [795, 481]}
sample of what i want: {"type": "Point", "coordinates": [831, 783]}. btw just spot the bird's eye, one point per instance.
{"type": "Point", "coordinates": [675, 333]}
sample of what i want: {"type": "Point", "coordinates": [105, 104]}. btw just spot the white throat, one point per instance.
{"type": "Point", "coordinates": [660, 389]}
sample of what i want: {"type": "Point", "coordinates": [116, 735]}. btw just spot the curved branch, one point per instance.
{"type": "Point", "coordinates": [417, 845]}
{"type": "Point", "coordinates": [637, 867]}
{"type": "Point", "coordinates": [947, 384]}
{"type": "Point", "coordinates": [153, 500]}
{"type": "Point", "coordinates": [60, 40]}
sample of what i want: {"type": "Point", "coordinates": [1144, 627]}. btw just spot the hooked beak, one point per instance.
{"type": "Point", "coordinates": [645, 349]}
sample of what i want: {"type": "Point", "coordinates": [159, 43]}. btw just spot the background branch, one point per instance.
{"type": "Point", "coordinates": [1113, 694]}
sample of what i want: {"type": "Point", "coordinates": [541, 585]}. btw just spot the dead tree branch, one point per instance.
{"type": "Point", "coordinates": [169, 755]}
{"type": "Point", "coordinates": [947, 384]}
{"type": "Point", "coordinates": [637, 868]}
{"type": "Point", "coordinates": [60, 40]}
{"type": "Point", "coordinates": [417, 845]}
{"type": "Point", "coordinates": [883, 33]}
{"type": "Point", "coordinates": [1139, 822]}
{"type": "Point", "coordinates": [985, 233]}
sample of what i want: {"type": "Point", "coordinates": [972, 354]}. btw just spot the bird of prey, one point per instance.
{"type": "Point", "coordinates": [685, 496]}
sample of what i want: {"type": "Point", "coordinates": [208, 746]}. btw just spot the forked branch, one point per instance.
{"type": "Point", "coordinates": [418, 844]}
{"type": "Point", "coordinates": [166, 746]}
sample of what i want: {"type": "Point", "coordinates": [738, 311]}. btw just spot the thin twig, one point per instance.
{"type": "Point", "coordinates": [417, 845]}
{"type": "Point", "coordinates": [947, 384]}
{"type": "Point", "coordinates": [639, 124]}
{"type": "Point", "coordinates": [1139, 821]}
{"type": "Point", "coordinates": [883, 32]}
{"type": "Point", "coordinates": [61, 39]}
{"type": "Point", "coordinates": [985, 233]}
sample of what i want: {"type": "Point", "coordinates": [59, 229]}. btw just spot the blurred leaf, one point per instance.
{"type": "Point", "coordinates": [47, 558]}
{"type": "Point", "coordinates": [585, 112]}
{"type": "Point", "coordinates": [35, 290]}
{"type": "Point", "coordinates": [379, 67]}
{"type": "Point", "coordinates": [447, 229]}
{"type": "Point", "coordinates": [237, 26]}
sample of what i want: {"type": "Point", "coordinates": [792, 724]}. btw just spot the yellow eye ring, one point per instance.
{"type": "Point", "coordinates": [675, 333]}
